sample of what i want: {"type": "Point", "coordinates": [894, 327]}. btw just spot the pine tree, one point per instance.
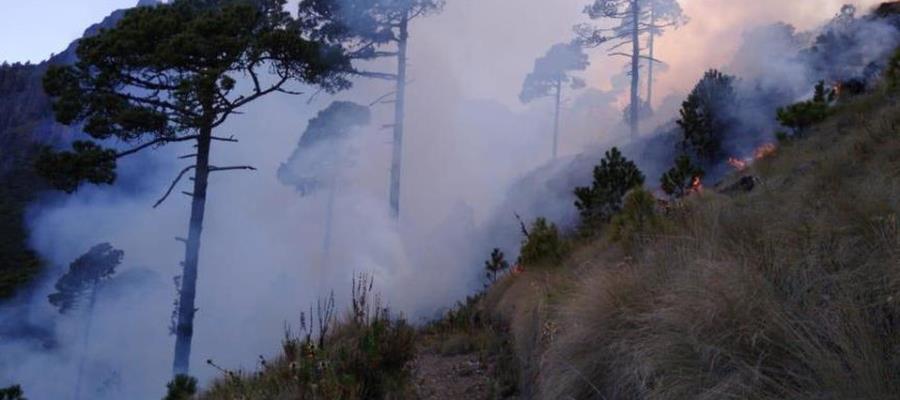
{"type": "Point", "coordinates": [373, 29]}
{"type": "Point", "coordinates": [80, 284]}
{"type": "Point", "coordinates": [707, 115]}
{"type": "Point", "coordinates": [167, 74]}
{"type": "Point", "coordinates": [679, 180]}
{"type": "Point", "coordinates": [319, 157]}
{"type": "Point", "coordinates": [662, 14]}
{"type": "Point", "coordinates": [799, 117]}
{"type": "Point", "coordinates": [496, 265]}
{"type": "Point", "coordinates": [635, 19]}
{"type": "Point", "coordinates": [551, 74]}
{"type": "Point", "coordinates": [614, 177]}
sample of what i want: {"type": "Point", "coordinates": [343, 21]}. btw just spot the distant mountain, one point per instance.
{"type": "Point", "coordinates": [26, 124]}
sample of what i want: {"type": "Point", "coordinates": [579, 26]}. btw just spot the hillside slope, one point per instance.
{"type": "Point", "coordinates": [789, 290]}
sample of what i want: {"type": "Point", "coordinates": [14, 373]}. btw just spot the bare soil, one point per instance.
{"type": "Point", "coordinates": [450, 377]}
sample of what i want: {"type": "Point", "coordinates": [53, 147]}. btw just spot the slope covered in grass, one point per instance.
{"type": "Point", "coordinates": [791, 290]}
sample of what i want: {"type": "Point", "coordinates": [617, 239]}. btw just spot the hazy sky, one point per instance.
{"type": "Point", "coordinates": [30, 30]}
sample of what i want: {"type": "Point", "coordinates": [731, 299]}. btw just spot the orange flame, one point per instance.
{"type": "Point", "coordinates": [696, 185]}
{"type": "Point", "coordinates": [759, 153]}
{"type": "Point", "coordinates": [517, 269]}
{"type": "Point", "coordinates": [764, 151]}
{"type": "Point", "coordinates": [737, 164]}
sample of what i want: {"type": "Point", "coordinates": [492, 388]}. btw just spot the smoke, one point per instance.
{"type": "Point", "coordinates": [473, 156]}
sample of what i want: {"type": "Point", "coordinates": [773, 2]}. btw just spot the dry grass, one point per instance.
{"type": "Point", "coordinates": [790, 291]}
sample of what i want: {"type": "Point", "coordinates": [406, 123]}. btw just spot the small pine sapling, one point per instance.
{"type": "Point", "coordinates": [495, 266]}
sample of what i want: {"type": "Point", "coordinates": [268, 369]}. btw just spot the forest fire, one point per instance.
{"type": "Point", "coordinates": [759, 153]}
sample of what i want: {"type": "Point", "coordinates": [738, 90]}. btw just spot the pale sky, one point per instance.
{"type": "Point", "coordinates": [30, 30]}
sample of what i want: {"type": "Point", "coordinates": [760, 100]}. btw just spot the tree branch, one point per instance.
{"type": "Point", "coordinates": [155, 142]}
{"type": "Point", "coordinates": [221, 139]}
{"type": "Point", "coordinates": [172, 186]}
{"type": "Point", "coordinates": [238, 167]}
{"type": "Point", "coordinates": [376, 75]}
{"type": "Point", "coordinates": [643, 57]}
{"type": "Point", "coordinates": [378, 100]}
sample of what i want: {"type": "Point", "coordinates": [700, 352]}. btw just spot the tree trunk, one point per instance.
{"type": "Point", "coordinates": [652, 60]}
{"type": "Point", "coordinates": [397, 162]}
{"type": "Point", "coordinates": [85, 340]}
{"type": "Point", "coordinates": [184, 329]}
{"type": "Point", "coordinates": [556, 119]}
{"type": "Point", "coordinates": [326, 239]}
{"type": "Point", "coordinates": [635, 65]}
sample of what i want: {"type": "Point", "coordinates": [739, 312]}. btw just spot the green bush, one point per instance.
{"type": "Point", "coordinates": [614, 177]}
{"type": "Point", "coordinates": [637, 219]}
{"type": "Point", "coordinates": [801, 116]}
{"type": "Point", "coordinates": [543, 244]}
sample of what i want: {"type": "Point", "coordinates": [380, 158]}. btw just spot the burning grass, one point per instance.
{"type": "Point", "coordinates": [763, 151]}
{"type": "Point", "coordinates": [788, 291]}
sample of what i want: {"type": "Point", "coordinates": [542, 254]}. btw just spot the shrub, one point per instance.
{"type": "Point", "coordinates": [182, 387]}
{"type": "Point", "coordinates": [614, 177]}
{"type": "Point", "coordinates": [679, 180]}
{"type": "Point", "coordinates": [706, 115]}
{"type": "Point", "coordinates": [637, 218]}
{"type": "Point", "coordinates": [801, 116]}
{"type": "Point", "coordinates": [365, 356]}
{"type": "Point", "coordinates": [543, 244]}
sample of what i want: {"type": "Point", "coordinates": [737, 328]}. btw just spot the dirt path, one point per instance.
{"type": "Point", "coordinates": [450, 377]}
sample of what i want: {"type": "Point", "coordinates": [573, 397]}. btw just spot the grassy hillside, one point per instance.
{"type": "Point", "coordinates": [791, 290]}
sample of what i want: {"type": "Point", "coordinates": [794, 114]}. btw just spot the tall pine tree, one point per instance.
{"type": "Point", "coordinates": [551, 74]}
{"type": "Point", "coordinates": [373, 29]}
{"type": "Point", "coordinates": [80, 285]}
{"type": "Point", "coordinates": [168, 74]}
{"type": "Point", "coordinates": [635, 18]}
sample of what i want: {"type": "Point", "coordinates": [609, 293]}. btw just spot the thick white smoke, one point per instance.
{"type": "Point", "coordinates": [469, 140]}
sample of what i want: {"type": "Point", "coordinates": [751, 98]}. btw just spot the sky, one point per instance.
{"type": "Point", "coordinates": [33, 29]}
